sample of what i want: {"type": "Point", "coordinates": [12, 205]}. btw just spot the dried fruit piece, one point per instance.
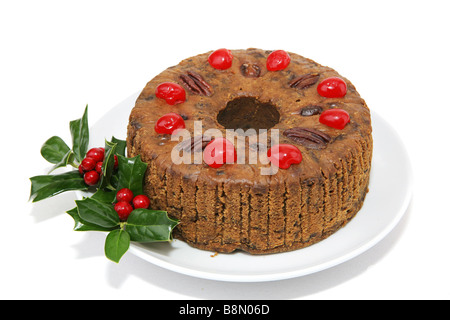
{"type": "Point", "coordinates": [196, 84]}
{"type": "Point", "coordinates": [310, 138]}
{"type": "Point", "coordinates": [250, 70]}
{"type": "Point", "coordinates": [310, 110]}
{"type": "Point", "coordinates": [304, 81]}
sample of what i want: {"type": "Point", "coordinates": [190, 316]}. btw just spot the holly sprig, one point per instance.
{"type": "Point", "coordinates": [95, 212]}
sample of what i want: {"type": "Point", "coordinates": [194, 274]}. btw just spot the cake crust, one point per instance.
{"type": "Point", "coordinates": [235, 207]}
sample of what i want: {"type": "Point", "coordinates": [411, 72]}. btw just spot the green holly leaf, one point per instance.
{"type": "Point", "coordinates": [54, 150]}
{"type": "Point", "coordinates": [79, 130]}
{"type": "Point", "coordinates": [146, 225]}
{"type": "Point", "coordinates": [116, 244]}
{"type": "Point", "coordinates": [46, 186]}
{"type": "Point", "coordinates": [97, 213]}
{"type": "Point", "coordinates": [81, 225]}
{"type": "Point", "coordinates": [121, 146]}
{"type": "Point", "coordinates": [108, 166]}
{"type": "Point", "coordinates": [66, 160]}
{"type": "Point", "coordinates": [104, 196]}
{"type": "Point", "coordinates": [131, 173]}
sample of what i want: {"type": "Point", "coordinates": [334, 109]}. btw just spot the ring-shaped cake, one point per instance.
{"type": "Point", "coordinates": [234, 206]}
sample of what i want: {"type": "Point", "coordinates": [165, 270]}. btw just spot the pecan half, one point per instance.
{"type": "Point", "coordinates": [304, 81]}
{"type": "Point", "coordinates": [250, 70]}
{"type": "Point", "coordinates": [196, 84]}
{"type": "Point", "coordinates": [309, 138]}
{"type": "Point", "coordinates": [195, 144]}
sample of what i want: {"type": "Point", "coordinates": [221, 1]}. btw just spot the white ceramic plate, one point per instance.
{"type": "Point", "coordinates": [388, 198]}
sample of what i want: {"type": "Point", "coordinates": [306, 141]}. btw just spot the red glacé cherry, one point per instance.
{"type": "Point", "coordinates": [124, 194]}
{"type": "Point", "coordinates": [221, 59]}
{"type": "Point", "coordinates": [123, 209]}
{"type": "Point", "coordinates": [333, 87]}
{"type": "Point", "coordinates": [91, 178]}
{"type": "Point", "coordinates": [218, 152]}
{"type": "Point", "coordinates": [173, 93]}
{"type": "Point", "coordinates": [98, 154]}
{"type": "Point", "coordinates": [141, 202]}
{"type": "Point", "coordinates": [335, 118]}
{"type": "Point", "coordinates": [283, 155]}
{"type": "Point", "coordinates": [278, 60]}
{"type": "Point", "coordinates": [168, 123]}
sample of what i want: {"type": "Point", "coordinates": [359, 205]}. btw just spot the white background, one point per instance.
{"type": "Point", "coordinates": [58, 56]}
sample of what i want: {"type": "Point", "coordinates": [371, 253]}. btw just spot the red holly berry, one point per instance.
{"type": "Point", "coordinates": [124, 194]}
{"type": "Point", "coordinates": [116, 162]}
{"type": "Point", "coordinates": [171, 92]}
{"type": "Point", "coordinates": [218, 152]}
{"type": "Point", "coordinates": [98, 167]}
{"type": "Point", "coordinates": [123, 209]}
{"type": "Point", "coordinates": [98, 154]}
{"type": "Point", "coordinates": [91, 178]}
{"type": "Point", "coordinates": [221, 59]}
{"type": "Point", "coordinates": [335, 118]}
{"type": "Point", "coordinates": [333, 87]}
{"type": "Point", "coordinates": [141, 202]}
{"type": "Point", "coordinates": [168, 123]}
{"type": "Point", "coordinates": [283, 155]}
{"type": "Point", "coordinates": [278, 60]}
{"type": "Point", "coordinates": [88, 164]}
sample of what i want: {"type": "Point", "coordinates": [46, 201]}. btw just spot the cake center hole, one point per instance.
{"type": "Point", "coordinates": [248, 112]}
